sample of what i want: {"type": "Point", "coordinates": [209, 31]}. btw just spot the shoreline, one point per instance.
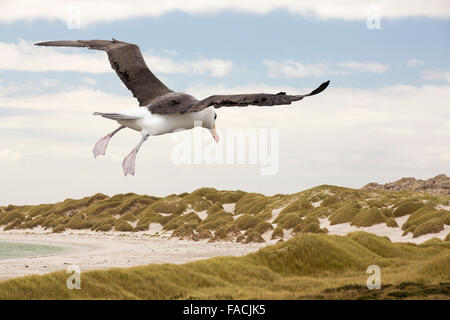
{"type": "Point", "coordinates": [94, 251]}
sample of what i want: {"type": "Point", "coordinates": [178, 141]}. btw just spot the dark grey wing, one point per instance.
{"type": "Point", "coordinates": [255, 99]}
{"type": "Point", "coordinates": [126, 59]}
{"type": "Point", "coordinates": [174, 102]}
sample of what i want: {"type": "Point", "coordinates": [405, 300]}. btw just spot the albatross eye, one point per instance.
{"type": "Point", "coordinates": [215, 116]}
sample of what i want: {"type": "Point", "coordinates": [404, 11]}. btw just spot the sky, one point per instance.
{"type": "Point", "coordinates": [385, 115]}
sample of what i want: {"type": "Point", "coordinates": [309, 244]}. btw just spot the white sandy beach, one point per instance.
{"type": "Point", "coordinates": [92, 250]}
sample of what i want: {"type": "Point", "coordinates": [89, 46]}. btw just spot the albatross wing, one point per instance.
{"type": "Point", "coordinates": [126, 59]}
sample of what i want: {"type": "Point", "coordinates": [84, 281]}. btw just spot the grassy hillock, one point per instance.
{"type": "Point", "coordinates": [317, 266]}
{"type": "Point", "coordinates": [254, 217]}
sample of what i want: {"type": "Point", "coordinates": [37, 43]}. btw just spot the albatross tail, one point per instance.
{"type": "Point", "coordinates": [116, 116]}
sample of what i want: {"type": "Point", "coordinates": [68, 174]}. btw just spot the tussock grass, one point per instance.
{"type": "Point", "coordinates": [368, 217]}
{"type": "Point", "coordinates": [215, 220]}
{"type": "Point", "coordinates": [407, 207]}
{"type": "Point", "coordinates": [391, 223]}
{"type": "Point", "coordinates": [277, 233]}
{"type": "Point", "coordinates": [289, 220]}
{"type": "Point", "coordinates": [306, 266]}
{"type": "Point", "coordinates": [188, 220]}
{"type": "Point", "coordinates": [299, 205]}
{"type": "Point", "coordinates": [247, 221]}
{"type": "Point", "coordinates": [345, 214]}
{"type": "Point", "coordinates": [434, 225]}
{"type": "Point", "coordinates": [102, 213]}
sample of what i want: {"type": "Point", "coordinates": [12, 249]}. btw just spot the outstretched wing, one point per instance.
{"type": "Point", "coordinates": [256, 99]}
{"type": "Point", "coordinates": [126, 59]}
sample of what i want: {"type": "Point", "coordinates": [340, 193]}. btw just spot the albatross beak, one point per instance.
{"type": "Point", "coordinates": [214, 133]}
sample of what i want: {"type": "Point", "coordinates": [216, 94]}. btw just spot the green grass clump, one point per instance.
{"type": "Point", "coordinates": [145, 218]}
{"type": "Point", "coordinates": [183, 232]}
{"type": "Point", "coordinates": [328, 201]}
{"type": "Point", "coordinates": [59, 228]}
{"type": "Point", "coordinates": [253, 236]}
{"type": "Point", "coordinates": [122, 225]}
{"type": "Point", "coordinates": [247, 221]}
{"type": "Point", "coordinates": [313, 227]}
{"type": "Point", "coordinates": [376, 204]}
{"type": "Point", "coordinates": [16, 223]}
{"type": "Point", "coordinates": [79, 222]}
{"type": "Point", "coordinates": [288, 220]}
{"type": "Point", "coordinates": [435, 225]}
{"type": "Point", "coordinates": [129, 217]}
{"type": "Point", "coordinates": [226, 232]}
{"type": "Point", "coordinates": [104, 224]}
{"type": "Point", "coordinates": [231, 196]}
{"type": "Point", "coordinates": [261, 227]}
{"type": "Point", "coordinates": [197, 203]}
{"type": "Point", "coordinates": [254, 207]}
{"type": "Point", "coordinates": [407, 207]}
{"type": "Point", "coordinates": [298, 205]}
{"type": "Point", "coordinates": [387, 212]}
{"type": "Point", "coordinates": [277, 233]}
{"type": "Point", "coordinates": [8, 217]}
{"type": "Point", "coordinates": [446, 217]}
{"type": "Point", "coordinates": [409, 229]}
{"type": "Point", "coordinates": [319, 212]}
{"type": "Point", "coordinates": [191, 219]}
{"type": "Point", "coordinates": [203, 191]}
{"type": "Point", "coordinates": [391, 223]}
{"type": "Point", "coordinates": [368, 217]}
{"type": "Point", "coordinates": [310, 219]}
{"type": "Point", "coordinates": [214, 208]}
{"type": "Point", "coordinates": [247, 201]}
{"type": "Point", "coordinates": [422, 215]}
{"type": "Point", "coordinates": [215, 220]}
{"type": "Point", "coordinates": [172, 204]}
{"type": "Point", "coordinates": [202, 235]}
{"type": "Point", "coordinates": [345, 214]}
{"type": "Point", "coordinates": [447, 238]}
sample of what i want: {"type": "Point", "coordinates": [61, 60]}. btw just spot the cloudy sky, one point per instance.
{"type": "Point", "coordinates": [385, 115]}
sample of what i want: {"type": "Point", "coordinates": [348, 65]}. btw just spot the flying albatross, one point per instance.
{"type": "Point", "coordinates": [162, 110]}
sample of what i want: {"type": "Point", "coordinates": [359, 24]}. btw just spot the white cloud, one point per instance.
{"type": "Point", "coordinates": [47, 82]}
{"type": "Point", "coordinates": [296, 69]}
{"type": "Point", "coordinates": [88, 12]}
{"type": "Point", "coordinates": [25, 56]}
{"type": "Point", "coordinates": [439, 75]}
{"type": "Point", "coordinates": [8, 156]}
{"type": "Point", "coordinates": [414, 62]}
{"type": "Point", "coordinates": [213, 67]}
{"type": "Point", "coordinates": [89, 81]}
{"type": "Point", "coordinates": [371, 67]}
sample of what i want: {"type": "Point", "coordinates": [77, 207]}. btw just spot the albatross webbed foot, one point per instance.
{"type": "Point", "coordinates": [100, 146]}
{"type": "Point", "coordinates": [129, 162]}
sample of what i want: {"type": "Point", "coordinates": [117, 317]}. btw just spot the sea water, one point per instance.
{"type": "Point", "coordinates": [14, 250]}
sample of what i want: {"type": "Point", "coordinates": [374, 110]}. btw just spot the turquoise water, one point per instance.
{"type": "Point", "coordinates": [14, 250]}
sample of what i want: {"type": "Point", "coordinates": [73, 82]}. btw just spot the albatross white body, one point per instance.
{"type": "Point", "coordinates": [156, 124]}
{"type": "Point", "coordinates": [153, 124]}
